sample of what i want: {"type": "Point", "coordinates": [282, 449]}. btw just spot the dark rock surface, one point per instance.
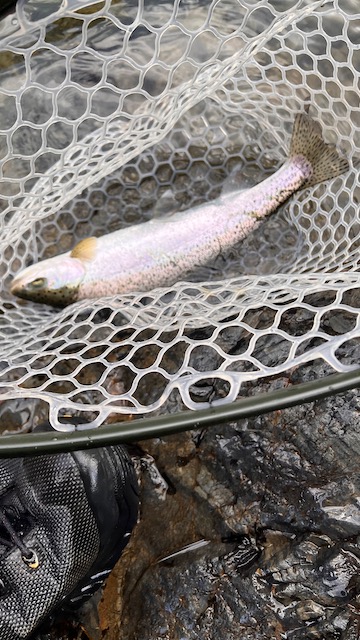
{"type": "Point", "coordinates": [277, 499]}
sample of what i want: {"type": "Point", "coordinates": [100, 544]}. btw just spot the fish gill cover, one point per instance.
{"type": "Point", "coordinates": [112, 112]}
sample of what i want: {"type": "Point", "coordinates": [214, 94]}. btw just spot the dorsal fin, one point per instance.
{"type": "Point", "coordinates": [85, 249]}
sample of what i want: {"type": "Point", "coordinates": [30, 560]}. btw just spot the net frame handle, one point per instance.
{"type": "Point", "coordinates": [34, 444]}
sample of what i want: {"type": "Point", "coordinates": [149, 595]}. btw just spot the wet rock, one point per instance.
{"type": "Point", "coordinates": [273, 503]}
{"type": "Point", "coordinates": [277, 497]}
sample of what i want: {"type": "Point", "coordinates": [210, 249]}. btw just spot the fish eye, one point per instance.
{"type": "Point", "coordinates": [39, 283]}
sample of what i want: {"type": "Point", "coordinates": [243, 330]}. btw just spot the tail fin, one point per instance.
{"type": "Point", "coordinates": [307, 141]}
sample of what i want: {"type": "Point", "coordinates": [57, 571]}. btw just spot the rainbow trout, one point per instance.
{"type": "Point", "coordinates": [160, 252]}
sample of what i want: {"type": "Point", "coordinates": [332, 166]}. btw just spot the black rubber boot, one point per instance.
{"type": "Point", "coordinates": [64, 521]}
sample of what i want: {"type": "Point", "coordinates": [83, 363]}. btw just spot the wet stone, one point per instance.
{"type": "Point", "coordinates": [275, 498]}
{"type": "Point", "coordinates": [270, 508]}
{"type": "Point", "coordinates": [291, 472]}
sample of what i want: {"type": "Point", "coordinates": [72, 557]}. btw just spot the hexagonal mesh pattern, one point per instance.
{"type": "Point", "coordinates": [108, 108]}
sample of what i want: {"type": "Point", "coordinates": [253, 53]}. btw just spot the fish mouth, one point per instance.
{"type": "Point", "coordinates": [16, 287]}
{"type": "Point", "coordinates": [21, 289]}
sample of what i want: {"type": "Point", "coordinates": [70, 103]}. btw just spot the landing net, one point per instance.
{"type": "Point", "coordinates": [108, 109]}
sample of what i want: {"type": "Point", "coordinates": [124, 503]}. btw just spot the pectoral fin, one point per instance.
{"type": "Point", "coordinates": [85, 249]}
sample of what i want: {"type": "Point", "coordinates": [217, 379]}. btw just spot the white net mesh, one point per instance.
{"type": "Point", "coordinates": [106, 107]}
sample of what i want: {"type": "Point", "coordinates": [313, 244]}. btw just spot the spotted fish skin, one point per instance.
{"type": "Point", "coordinates": [162, 251]}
